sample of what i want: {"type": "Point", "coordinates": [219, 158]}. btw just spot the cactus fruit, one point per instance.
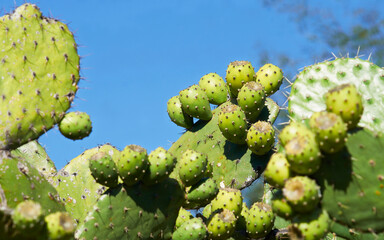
{"type": "Point", "coordinates": [302, 193]}
{"type": "Point", "coordinates": [161, 164]}
{"type": "Point", "coordinates": [183, 216]}
{"type": "Point", "coordinates": [39, 74]}
{"type": "Point", "coordinates": [60, 226]}
{"type": "Point", "coordinates": [330, 131]}
{"type": "Point", "coordinates": [270, 77]}
{"type": "Point", "coordinates": [177, 114]}
{"type": "Point", "coordinates": [345, 101]}
{"type": "Point", "coordinates": [277, 170]}
{"type": "Point", "coordinates": [280, 206]}
{"type": "Point", "coordinates": [76, 125]}
{"type": "Point", "coordinates": [303, 154]}
{"type": "Point", "coordinates": [193, 229]}
{"type": "Point", "coordinates": [202, 193]}
{"type": "Point", "coordinates": [294, 129]}
{"type": "Point", "coordinates": [215, 88]}
{"type": "Point", "coordinates": [228, 198]}
{"type": "Point", "coordinates": [192, 166]}
{"type": "Point", "coordinates": [28, 218]}
{"type": "Point", "coordinates": [233, 124]}
{"type": "Point", "coordinates": [194, 102]}
{"type": "Point", "coordinates": [251, 99]}
{"type": "Point", "coordinates": [260, 137]}
{"type": "Point", "coordinates": [260, 220]}
{"type": "Point", "coordinates": [238, 73]}
{"type": "Point", "coordinates": [241, 223]}
{"type": "Point", "coordinates": [311, 226]}
{"type": "Point", "coordinates": [221, 224]}
{"type": "Point", "coordinates": [104, 169]}
{"type": "Point", "coordinates": [207, 211]}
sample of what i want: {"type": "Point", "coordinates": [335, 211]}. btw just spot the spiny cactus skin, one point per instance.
{"type": "Point", "coordinates": [280, 206]}
{"type": "Point", "coordinates": [132, 164]}
{"type": "Point", "coordinates": [260, 137]}
{"type": "Point", "coordinates": [302, 193]}
{"type": "Point", "coordinates": [241, 223]}
{"type": "Point", "coordinates": [251, 99]}
{"type": "Point", "coordinates": [194, 102]}
{"type": "Point", "coordinates": [60, 226]}
{"type": "Point", "coordinates": [292, 130]}
{"type": "Point", "coordinates": [228, 198]}
{"type": "Point", "coordinates": [104, 169]}
{"type": "Point", "coordinates": [136, 212]}
{"type": "Point", "coordinates": [238, 73]}
{"type": "Point", "coordinates": [311, 226]}
{"type": "Point", "coordinates": [193, 229]}
{"type": "Point", "coordinates": [270, 77]}
{"type": "Point", "coordinates": [260, 220]}
{"type": "Point", "coordinates": [161, 164]}
{"type": "Point", "coordinates": [233, 124]}
{"type": "Point", "coordinates": [345, 101]}
{"type": "Point", "coordinates": [215, 88]}
{"type": "Point", "coordinates": [202, 193]}
{"type": "Point", "coordinates": [221, 224]}
{"type": "Point", "coordinates": [76, 125]}
{"type": "Point", "coordinates": [183, 216]}
{"type": "Point", "coordinates": [28, 218]}
{"type": "Point", "coordinates": [330, 131]}
{"type": "Point", "coordinates": [39, 74]}
{"type": "Point", "coordinates": [177, 114]}
{"type": "Point", "coordinates": [277, 170]}
{"type": "Point", "coordinates": [192, 165]}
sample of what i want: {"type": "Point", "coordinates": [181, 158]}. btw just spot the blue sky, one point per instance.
{"type": "Point", "coordinates": [138, 54]}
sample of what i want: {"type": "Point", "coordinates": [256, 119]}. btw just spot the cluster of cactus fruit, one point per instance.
{"type": "Point", "coordinates": [324, 178]}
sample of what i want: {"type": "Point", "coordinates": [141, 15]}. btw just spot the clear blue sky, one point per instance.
{"type": "Point", "coordinates": [138, 54]}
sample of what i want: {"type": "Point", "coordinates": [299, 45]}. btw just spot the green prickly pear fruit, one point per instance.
{"type": "Point", "coordinates": [233, 124]}
{"type": "Point", "coordinates": [302, 193]}
{"type": "Point", "coordinates": [280, 206]}
{"type": "Point", "coordinates": [260, 220]}
{"type": "Point", "coordinates": [103, 169]}
{"type": "Point", "coordinates": [270, 77]}
{"type": "Point", "coordinates": [221, 224]}
{"type": "Point", "coordinates": [193, 229]}
{"type": "Point", "coordinates": [241, 223]}
{"type": "Point", "coordinates": [76, 125]}
{"type": "Point", "coordinates": [251, 99]}
{"type": "Point", "coordinates": [238, 73]}
{"type": "Point", "coordinates": [260, 137]}
{"type": "Point", "coordinates": [215, 88]}
{"type": "Point", "coordinates": [277, 170]}
{"type": "Point", "coordinates": [311, 226]}
{"type": "Point", "coordinates": [60, 226]}
{"type": "Point", "coordinates": [207, 211]}
{"type": "Point", "coordinates": [28, 218]}
{"type": "Point", "coordinates": [132, 164]}
{"type": "Point", "coordinates": [294, 129]}
{"type": "Point", "coordinates": [177, 114]}
{"type": "Point", "coordinates": [345, 101]}
{"type": "Point", "coordinates": [330, 131]}
{"type": "Point", "coordinates": [228, 198]}
{"type": "Point", "coordinates": [183, 216]}
{"type": "Point", "coordinates": [194, 102]}
{"type": "Point", "coordinates": [303, 154]}
{"type": "Point", "coordinates": [201, 193]}
{"type": "Point", "coordinates": [192, 166]}
{"type": "Point", "coordinates": [161, 164]}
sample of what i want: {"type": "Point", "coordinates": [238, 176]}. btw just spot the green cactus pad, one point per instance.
{"type": "Point", "coordinates": [308, 90]}
{"type": "Point", "coordinates": [177, 114]}
{"type": "Point", "coordinates": [270, 77]}
{"type": "Point", "coordinates": [36, 155]}
{"type": "Point", "coordinates": [215, 88]}
{"type": "Point", "coordinates": [39, 74]}
{"type": "Point", "coordinates": [251, 99]}
{"type": "Point", "coordinates": [194, 102]}
{"type": "Point", "coordinates": [76, 125]}
{"type": "Point", "coordinates": [75, 184]}
{"type": "Point", "coordinates": [137, 212]}
{"type": "Point", "coordinates": [233, 164]}
{"type": "Point", "coordinates": [103, 169]}
{"type": "Point", "coordinates": [161, 164]}
{"type": "Point", "coordinates": [260, 137]}
{"type": "Point", "coordinates": [193, 229]}
{"type": "Point", "coordinates": [238, 73]}
{"type": "Point", "coordinates": [60, 226]}
{"type": "Point", "coordinates": [353, 183]}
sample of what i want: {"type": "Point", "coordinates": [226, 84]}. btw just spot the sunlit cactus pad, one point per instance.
{"type": "Point", "coordinates": [39, 72]}
{"type": "Point", "coordinates": [307, 93]}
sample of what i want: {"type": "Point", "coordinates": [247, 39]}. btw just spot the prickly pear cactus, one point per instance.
{"type": "Point", "coordinates": [39, 71]}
